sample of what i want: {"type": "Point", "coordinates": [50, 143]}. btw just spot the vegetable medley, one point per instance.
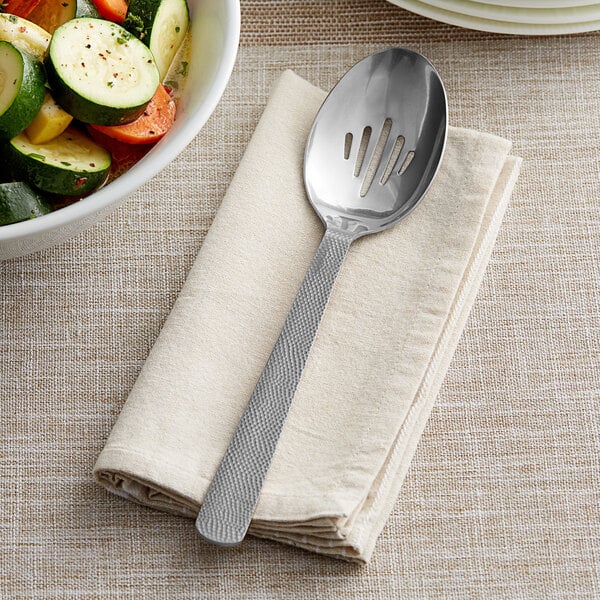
{"type": "Point", "coordinates": [83, 94]}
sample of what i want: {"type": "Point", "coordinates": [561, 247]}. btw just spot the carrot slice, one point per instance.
{"type": "Point", "coordinates": [124, 156]}
{"type": "Point", "coordinates": [20, 8]}
{"type": "Point", "coordinates": [155, 121]}
{"type": "Point", "coordinates": [113, 10]}
{"type": "Point", "coordinates": [51, 14]}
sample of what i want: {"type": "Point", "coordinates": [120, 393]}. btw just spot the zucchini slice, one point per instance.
{"type": "Point", "coordinates": [99, 72]}
{"type": "Point", "coordinates": [162, 25]}
{"type": "Point", "coordinates": [24, 34]}
{"type": "Point", "coordinates": [19, 202]}
{"type": "Point", "coordinates": [86, 8]}
{"type": "Point", "coordinates": [21, 89]}
{"type": "Point", "coordinates": [70, 164]}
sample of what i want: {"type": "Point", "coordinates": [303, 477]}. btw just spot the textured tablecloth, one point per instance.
{"type": "Point", "coordinates": [502, 500]}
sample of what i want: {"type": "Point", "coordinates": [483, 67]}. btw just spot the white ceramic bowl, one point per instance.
{"type": "Point", "coordinates": [215, 35]}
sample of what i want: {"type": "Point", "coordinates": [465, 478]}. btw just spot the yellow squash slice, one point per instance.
{"type": "Point", "coordinates": [50, 122]}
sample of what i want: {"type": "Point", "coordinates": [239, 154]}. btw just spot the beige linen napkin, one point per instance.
{"type": "Point", "coordinates": [385, 342]}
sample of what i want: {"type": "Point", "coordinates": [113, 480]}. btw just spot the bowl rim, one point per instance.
{"type": "Point", "coordinates": [153, 162]}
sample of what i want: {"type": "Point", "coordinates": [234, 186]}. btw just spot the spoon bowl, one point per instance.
{"type": "Point", "coordinates": [374, 149]}
{"type": "Point", "coordinates": [377, 142]}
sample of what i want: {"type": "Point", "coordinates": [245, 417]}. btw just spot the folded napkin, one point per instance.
{"type": "Point", "coordinates": [383, 347]}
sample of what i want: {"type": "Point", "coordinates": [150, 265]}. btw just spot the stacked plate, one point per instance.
{"type": "Point", "coordinates": [524, 17]}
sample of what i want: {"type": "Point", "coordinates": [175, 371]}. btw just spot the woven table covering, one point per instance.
{"type": "Point", "coordinates": [502, 499]}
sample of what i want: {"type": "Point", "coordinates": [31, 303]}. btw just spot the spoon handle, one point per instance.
{"type": "Point", "coordinates": [233, 493]}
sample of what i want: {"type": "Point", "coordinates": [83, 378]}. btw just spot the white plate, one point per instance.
{"type": "Point", "coordinates": [512, 14]}
{"type": "Point", "coordinates": [493, 25]}
{"type": "Point", "coordinates": [541, 3]}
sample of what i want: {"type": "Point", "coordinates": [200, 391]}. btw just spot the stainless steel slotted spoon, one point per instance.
{"type": "Point", "coordinates": [374, 148]}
